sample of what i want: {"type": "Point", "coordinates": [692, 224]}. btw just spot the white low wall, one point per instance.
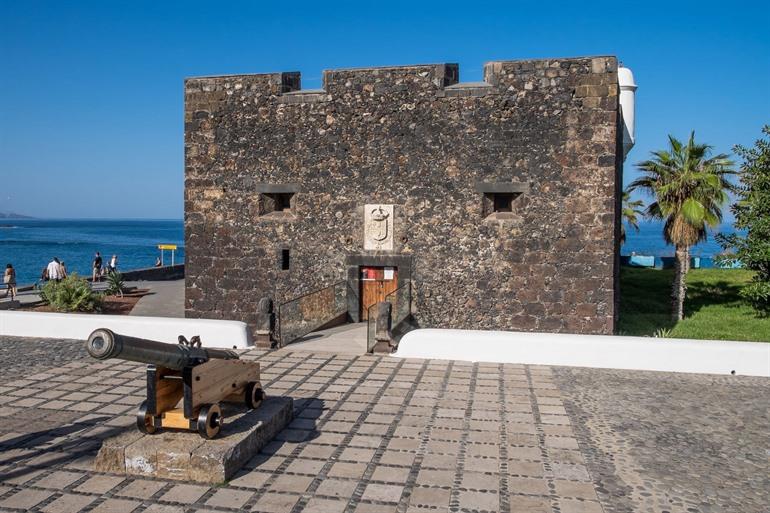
{"type": "Point", "coordinates": [213, 333]}
{"type": "Point", "coordinates": [606, 352]}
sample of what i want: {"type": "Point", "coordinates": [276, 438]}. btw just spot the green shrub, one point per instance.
{"type": "Point", "coordinates": [72, 294]}
{"type": "Point", "coordinates": [115, 284]}
{"type": "Point", "coordinates": [751, 243]}
{"type": "Point", "coordinates": [726, 260]}
{"type": "Point", "coordinates": [757, 294]}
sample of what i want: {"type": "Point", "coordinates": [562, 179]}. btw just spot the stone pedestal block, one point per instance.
{"type": "Point", "coordinates": [382, 347]}
{"type": "Point", "coordinates": [185, 456]}
{"type": "Point", "coordinates": [265, 325]}
{"type": "Point", "coordinates": [263, 340]}
{"type": "Point", "coordinates": [382, 333]}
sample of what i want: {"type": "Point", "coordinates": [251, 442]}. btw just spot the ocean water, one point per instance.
{"type": "Point", "coordinates": [29, 244]}
{"type": "Point", "coordinates": [649, 241]}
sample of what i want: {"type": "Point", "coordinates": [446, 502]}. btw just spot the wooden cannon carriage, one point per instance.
{"type": "Point", "coordinates": [185, 382]}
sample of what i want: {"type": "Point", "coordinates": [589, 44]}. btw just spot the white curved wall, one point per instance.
{"type": "Point", "coordinates": [213, 333]}
{"type": "Point", "coordinates": [606, 352]}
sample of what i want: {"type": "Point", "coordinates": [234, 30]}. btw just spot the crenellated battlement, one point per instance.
{"type": "Point", "coordinates": [498, 76]}
{"type": "Point", "coordinates": [436, 75]}
{"type": "Point", "coordinates": [272, 83]}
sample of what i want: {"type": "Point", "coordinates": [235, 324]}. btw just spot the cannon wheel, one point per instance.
{"type": "Point", "coordinates": [209, 420]}
{"type": "Point", "coordinates": [254, 395]}
{"type": "Point", "coordinates": [144, 421]}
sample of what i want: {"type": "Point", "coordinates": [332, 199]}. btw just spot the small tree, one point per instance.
{"type": "Point", "coordinates": [689, 188]}
{"type": "Point", "coordinates": [115, 283]}
{"type": "Point", "coordinates": [630, 212]}
{"type": "Point", "coordinates": [752, 213]}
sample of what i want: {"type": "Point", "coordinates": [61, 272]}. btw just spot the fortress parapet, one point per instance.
{"type": "Point", "coordinates": [589, 76]}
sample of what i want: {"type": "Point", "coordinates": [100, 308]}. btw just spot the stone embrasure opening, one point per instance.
{"type": "Point", "coordinates": [277, 204]}
{"type": "Point", "coordinates": [503, 202]}
{"type": "Point", "coordinates": [499, 205]}
{"type": "Point", "coordinates": [285, 259]}
{"type": "Point", "coordinates": [499, 199]}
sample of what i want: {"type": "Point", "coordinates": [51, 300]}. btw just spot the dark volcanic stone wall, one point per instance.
{"type": "Point", "coordinates": [411, 137]}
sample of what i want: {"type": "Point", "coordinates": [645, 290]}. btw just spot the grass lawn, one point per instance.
{"type": "Point", "coordinates": [713, 309]}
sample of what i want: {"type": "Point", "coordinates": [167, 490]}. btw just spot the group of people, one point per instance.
{"type": "Point", "coordinates": [57, 271]}
{"type": "Point", "coordinates": [97, 267]}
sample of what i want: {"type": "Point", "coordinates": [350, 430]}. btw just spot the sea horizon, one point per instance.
{"type": "Point", "coordinates": [649, 241]}
{"type": "Point", "coordinates": [30, 218]}
{"type": "Point", "coordinates": [29, 244]}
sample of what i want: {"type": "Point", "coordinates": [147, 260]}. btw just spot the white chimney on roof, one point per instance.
{"type": "Point", "coordinates": [627, 100]}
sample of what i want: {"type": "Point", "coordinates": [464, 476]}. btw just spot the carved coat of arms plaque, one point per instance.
{"type": "Point", "coordinates": [378, 227]}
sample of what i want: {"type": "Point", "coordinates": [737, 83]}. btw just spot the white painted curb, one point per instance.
{"type": "Point", "coordinates": [213, 333]}
{"type": "Point", "coordinates": [604, 352]}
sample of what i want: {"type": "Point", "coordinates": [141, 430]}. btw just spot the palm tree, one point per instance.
{"type": "Point", "coordinates": [689, 189]}
{"type": "Point", "coordinates": [630, 209]}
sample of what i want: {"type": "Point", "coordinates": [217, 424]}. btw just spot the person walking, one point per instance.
{"type": "Point", "coordinates": [114, 263]}
{"type": "Point", "coordinates": [9, 278]}
{"type": "Point", "coordinates": [63, 269]}
{"type": "Point", "coordinates": [96, 268]}
{"type": "Point", "coordinates": [54, 270]}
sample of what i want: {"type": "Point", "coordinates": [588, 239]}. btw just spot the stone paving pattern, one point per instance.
{"type": "Point", "coordinates": [656, 441]}
{"type": "Point", "coordinates": [378, 434]}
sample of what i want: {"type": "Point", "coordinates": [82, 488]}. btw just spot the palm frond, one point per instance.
{"type": "Point", "coordinates": [689, 187]}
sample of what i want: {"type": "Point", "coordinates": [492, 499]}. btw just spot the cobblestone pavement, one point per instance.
{"type": "Point", "coordinates": [658, 441]}
{"type": "Point", "coordinates": [376, 434]}
{"type": "Point", "coordinates": [21, 357]}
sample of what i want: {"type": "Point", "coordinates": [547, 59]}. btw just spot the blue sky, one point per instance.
{"type": "Point", "coordinates": [91, 92]}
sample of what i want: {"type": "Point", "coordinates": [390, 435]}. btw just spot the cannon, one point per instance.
{"type": "Point", "coordinates": [199, 378]}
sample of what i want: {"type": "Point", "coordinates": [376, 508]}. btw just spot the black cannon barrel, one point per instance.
{"type": "Point", "coordinates": [103, 344]}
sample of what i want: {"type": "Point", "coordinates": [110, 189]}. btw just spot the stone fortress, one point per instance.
{"type": "Point", "coordinates": [495, 202]}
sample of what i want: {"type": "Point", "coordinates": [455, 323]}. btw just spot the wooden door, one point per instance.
{"type": "Point", "coordinates": [376, 284]}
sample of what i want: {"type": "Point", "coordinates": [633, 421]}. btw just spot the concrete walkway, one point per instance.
{"type": "Point", "coordinates": [24, 298]}
{"type": "Point", "coordinates": [166, 298]}
{"type": "Point", "coordinates": [345, 339]}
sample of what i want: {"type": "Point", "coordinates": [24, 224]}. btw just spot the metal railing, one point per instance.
{"type": "Point", "coordinates": [308, 312]}
{"type": "Point", "coordinates": [401, 299]}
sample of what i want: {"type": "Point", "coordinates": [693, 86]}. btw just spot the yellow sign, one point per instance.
{"type": "Point", "coordinates": [166, 246]}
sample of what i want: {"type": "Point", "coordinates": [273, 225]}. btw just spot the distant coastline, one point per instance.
{"type": "Point", "coordinates": [14, 215]}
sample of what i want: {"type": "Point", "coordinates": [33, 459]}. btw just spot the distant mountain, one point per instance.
{"type": "Point", "coordinates": [13, 215]}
